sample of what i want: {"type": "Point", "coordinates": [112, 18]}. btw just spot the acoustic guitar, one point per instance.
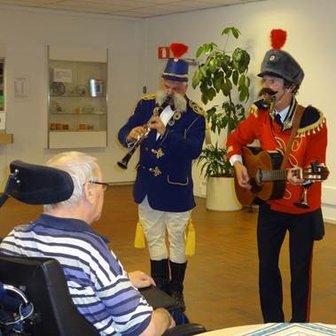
{"type": "Point", "coordinates": [268, 181]}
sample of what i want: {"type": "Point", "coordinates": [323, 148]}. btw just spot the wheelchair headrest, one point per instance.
{"type": "Point", "coordinates": [35, 184]}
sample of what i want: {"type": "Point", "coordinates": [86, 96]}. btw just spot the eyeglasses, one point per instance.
{"type": "Point", "coordinates": [104, 185]}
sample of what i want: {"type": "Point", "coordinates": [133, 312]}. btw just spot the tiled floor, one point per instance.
{"type": "Point", "coordinates": [221, 288]}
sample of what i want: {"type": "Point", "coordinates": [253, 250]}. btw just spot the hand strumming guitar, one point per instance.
{"type": "Point", "coordinates": [242, 175]}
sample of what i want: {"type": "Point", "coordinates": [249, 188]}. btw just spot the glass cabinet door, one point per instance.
{"type": "Point", "coordinates": [77, 106]}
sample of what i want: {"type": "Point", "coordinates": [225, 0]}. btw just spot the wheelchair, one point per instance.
{"type": "Point", "coordinates": [34, 296]}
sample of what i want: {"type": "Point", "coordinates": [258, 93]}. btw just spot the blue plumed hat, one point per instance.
{"type": "Point", "coordinates": [177, 68]}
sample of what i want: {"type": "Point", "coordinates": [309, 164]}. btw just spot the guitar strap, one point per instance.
{"type": "Point", "coordinates": [296, 123]}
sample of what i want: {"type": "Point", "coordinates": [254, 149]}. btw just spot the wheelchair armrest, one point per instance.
{"type": "Point", "coordinates": [187, 329]}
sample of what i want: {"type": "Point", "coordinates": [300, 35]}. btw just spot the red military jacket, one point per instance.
{"type": "Point", "coordinates": [309, 145]}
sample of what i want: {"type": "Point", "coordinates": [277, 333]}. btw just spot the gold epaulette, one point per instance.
{"type": "Point", "coordinates": [314, 127]}
{"type": "Point", "coordinates": [196, 108]}
{"type": "Point", "coordinates": [200, 111]}
{"type": "Point", "coordinates": [253, 109]}
{"type": "Point", "coordinates": [149, 96]}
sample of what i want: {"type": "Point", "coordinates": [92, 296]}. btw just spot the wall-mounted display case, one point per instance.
{"type": "Point", "coordinates": [2, 85]}
{"type": "Point", "coordinates": [5, 138]}
{"type": "Point", "coordinates": [2, 94]}
{"type": "Point", "coordinates": [77, 104]}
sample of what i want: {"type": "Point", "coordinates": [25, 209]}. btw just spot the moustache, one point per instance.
{"type": "Point", "coordinates": [268, 96]}
{"type": "Point", "coordinates": [169, 100]}
{"type": "Point", "coordinates": [267, 92]}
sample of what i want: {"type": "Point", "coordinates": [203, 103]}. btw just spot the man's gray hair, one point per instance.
{"type": "Point", "coordinates": [82, 169]}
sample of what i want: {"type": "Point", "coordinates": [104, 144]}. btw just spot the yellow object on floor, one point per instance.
{"type": "Point", "coordinates": [139, 239]}
{"type": "Point", "coordinates": [190, 238]}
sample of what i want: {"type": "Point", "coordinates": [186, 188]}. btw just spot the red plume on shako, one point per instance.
{"type": "Point", "coordinates": [278, 38]}
{"type": "Point", "coordinates": [177, 68]}
{"type": "Point", "coordinates": [178, 49]}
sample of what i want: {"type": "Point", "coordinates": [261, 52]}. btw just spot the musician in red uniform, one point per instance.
{"type": "Point", "coordinates": [272, 125]}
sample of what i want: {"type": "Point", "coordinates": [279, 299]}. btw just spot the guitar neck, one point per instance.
{"type": "Point", "coordinates": [264, 175]}
{"type": "Point", "coordinates": [272, 175]}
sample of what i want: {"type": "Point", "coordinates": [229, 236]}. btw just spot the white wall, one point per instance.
{"type": "Point", "coordinates": [310, 27]}
{"type": "Point", "coordinates": [132, 45]}
{"type": "Point", "coordinates": [24, 35]}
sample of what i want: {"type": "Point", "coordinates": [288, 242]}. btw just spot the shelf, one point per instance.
{"type": "Point", "coordinates": [77, 139]}
{"type": "Point", "coordinates": [70, 96]}
{"type": "Point", "coordinates": [78, 114]}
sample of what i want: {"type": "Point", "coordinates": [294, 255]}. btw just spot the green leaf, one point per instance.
{"type": "Point", "coordinates": [231, 30]}
{"type": "Point", "coordinates": [218, 80]}
{"type": "Point", "coordinates": [243, 94]}
{"type": "Point", "coordinates": [226, 31]}
{"type": "Point", "coordinates": [242, 80]}
{"type": "Point", "coordinates": [235, 77]}
{"type": "Point", "coordinates": [196, 78]}
{"type": "Point", "coordinates": [199, 51]}
{"type": "Point", "coordinates": [212, 65]}
{"type": "Point", "coordinates": [235, 32]}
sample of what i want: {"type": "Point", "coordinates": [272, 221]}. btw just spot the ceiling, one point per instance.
{"type": "Point", "coordinates": [126, 8]}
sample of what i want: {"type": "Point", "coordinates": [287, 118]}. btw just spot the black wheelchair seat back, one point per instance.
{"type": "Point", "coordinates": [43, 283]}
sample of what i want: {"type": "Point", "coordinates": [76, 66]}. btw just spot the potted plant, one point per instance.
{"type": "Point", "coordinates": [221, 76]}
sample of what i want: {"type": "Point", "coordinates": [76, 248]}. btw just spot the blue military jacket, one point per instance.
{"type": "Point", "coordinates": [164, 167]}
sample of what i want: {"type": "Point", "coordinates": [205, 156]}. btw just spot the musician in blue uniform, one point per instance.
{"type": "Point", "coordinates": [163, 189]}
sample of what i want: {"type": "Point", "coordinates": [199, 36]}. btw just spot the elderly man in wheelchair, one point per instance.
{"type": "Point", "coordinates": [59, 253]}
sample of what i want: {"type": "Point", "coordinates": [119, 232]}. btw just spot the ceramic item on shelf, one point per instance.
{"type": "Point", "coordinates": [86, 109]}
{"type": "Point", "coordinates": [81, 90]}
{"type": "Point", "coordinates": [57, 89]}
{"type": "Point", "coordinates": [56, 107]}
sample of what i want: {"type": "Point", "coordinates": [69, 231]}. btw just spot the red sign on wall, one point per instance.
{"type": "Point", "coordinates": [163, 52]}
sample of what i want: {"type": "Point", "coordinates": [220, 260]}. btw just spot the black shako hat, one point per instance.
{"type": "Point", "coordinates": [280, 63]}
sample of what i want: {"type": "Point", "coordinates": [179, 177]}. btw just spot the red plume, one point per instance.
{"type": "Point", "coordinates": [278, 38]}
{"type": "Point", "coordinates": [178, 49]}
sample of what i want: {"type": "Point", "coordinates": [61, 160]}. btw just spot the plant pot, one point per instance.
{"type": "Point", "coordinates": [221, 195]}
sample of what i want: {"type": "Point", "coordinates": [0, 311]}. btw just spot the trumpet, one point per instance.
{"type": "Point", "coordinates": [123, 163]}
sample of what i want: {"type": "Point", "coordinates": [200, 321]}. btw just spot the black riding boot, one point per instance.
{"type": "Point", "coordinates": [160, 273]}
{"type": "Point", "coordinates": [176, 282]}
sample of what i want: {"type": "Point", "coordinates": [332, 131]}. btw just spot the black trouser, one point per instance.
{"type": "Point", "coordinates": [272, 228]}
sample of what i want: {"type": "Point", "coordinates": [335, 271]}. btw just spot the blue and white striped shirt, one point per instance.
{"type": "Point", "coordinates": [98, 283]}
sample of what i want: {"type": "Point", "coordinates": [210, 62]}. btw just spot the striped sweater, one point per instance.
{"type": "Point", "coordinates": [98, 283]}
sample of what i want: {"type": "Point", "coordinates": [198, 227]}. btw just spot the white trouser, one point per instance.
{"type": "Point", "coordinates": [155, 223]}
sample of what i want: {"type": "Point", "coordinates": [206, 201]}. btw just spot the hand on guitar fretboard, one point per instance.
{"type": "Point", "coordinates": [314, 172]}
